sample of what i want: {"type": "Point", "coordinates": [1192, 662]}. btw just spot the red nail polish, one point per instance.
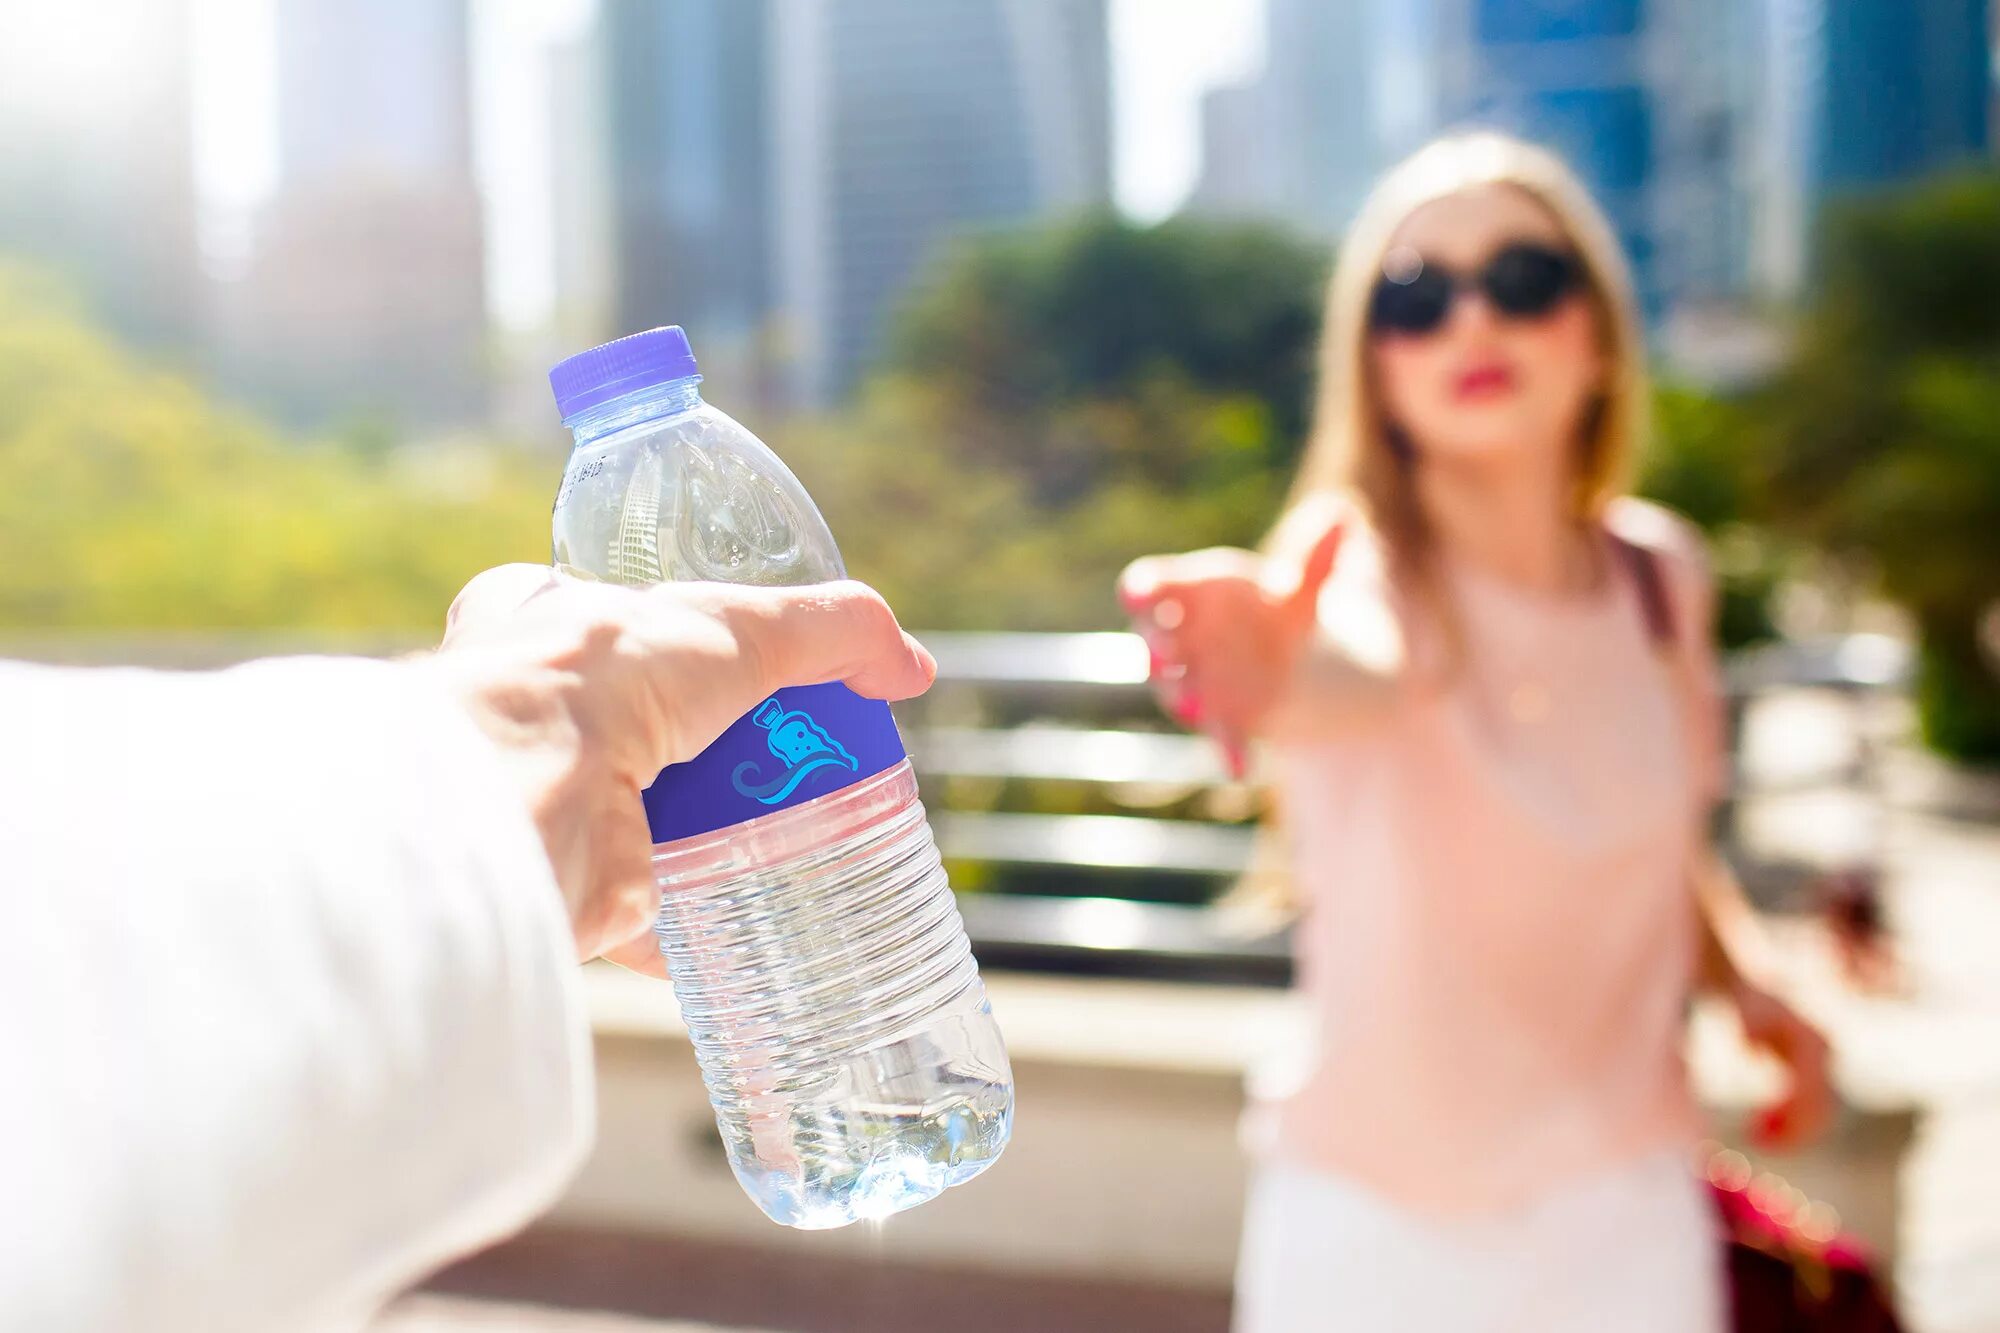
{"type": "Point", "coordinates": [1768, 1127]}
{"type": "Point", "coordinates": [1234, 759]}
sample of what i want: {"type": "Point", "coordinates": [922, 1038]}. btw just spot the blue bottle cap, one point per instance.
{"type": "Point", "coordinates": [638, 361]}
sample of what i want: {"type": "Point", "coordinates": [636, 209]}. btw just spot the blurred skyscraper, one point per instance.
{"type": "Point", "coordinates": [365, 291]}
{"type": "Point", "coordinates": [1322, 141]}
{"type": "Point", "coordinates": [580, 194]}
{"type": "Point", "coordinates": [1645, 101]}
{"type": "Point", "coordinates": [1302, 142]}
{"type": "Point", "coordinates": [686, 97]}
{"type": "Point", "coordinates": [1713, 131]}
{"type": "Point", "coordinates": [97, 161]}
{"type": "Point", "coordinates": [1904, 92]}
{"type": "Point", "coordinates": [1236, 168]}
{"type": "Point", "coordinates": [899, 125]}
{"type": "Point", "coordinates": [1641, 99]}
{"type": "Point", "coordinates": [1868, 93]}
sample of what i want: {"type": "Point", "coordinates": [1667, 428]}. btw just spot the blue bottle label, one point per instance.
{"type": "Point", "coordinates": [798, 744]}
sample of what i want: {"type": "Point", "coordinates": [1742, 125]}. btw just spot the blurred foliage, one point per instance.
{"type": "Point", "coordinates": [1018, 323]}
{"type": "Point", "coordinates": [1885, 432]}
{"type": "Point", "coordinates": [957, 540]}
{"type": "Point", "coordinates": [129, 500]}
{"type": "Point", "coordinates": [1060, 400]}
{"type": "Point", "coordinates": [1702, 462]}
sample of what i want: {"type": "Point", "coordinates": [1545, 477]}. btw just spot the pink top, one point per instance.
{"type": "Point", "coordinates": [1500, 933]}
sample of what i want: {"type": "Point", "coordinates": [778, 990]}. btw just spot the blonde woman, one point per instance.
{"type": "Point", "coordinates": [1487, 679]}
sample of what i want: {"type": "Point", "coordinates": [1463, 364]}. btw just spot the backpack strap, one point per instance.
{"type": "Point", "coordinates": [1643, 567]}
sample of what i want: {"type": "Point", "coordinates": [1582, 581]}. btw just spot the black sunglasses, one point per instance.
{"type": "Point", "coordinates": [1523, 281]}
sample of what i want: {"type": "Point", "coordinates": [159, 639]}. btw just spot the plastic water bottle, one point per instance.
{"type": "Point", "coordinates": [815, 947]}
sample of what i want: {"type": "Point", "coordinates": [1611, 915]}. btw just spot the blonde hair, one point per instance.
{"type": "Point", "coordinates": [1350, 451]}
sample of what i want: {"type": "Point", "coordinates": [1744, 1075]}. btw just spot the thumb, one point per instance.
{"type": "Point", "coordinates": [639, 954]}
{"type": "Point", "coordinates": [1318, 563]}
{"type": "Point", "coordinates": [803, 635]}
{"type": "Point", "coordinates": [1298, 571]}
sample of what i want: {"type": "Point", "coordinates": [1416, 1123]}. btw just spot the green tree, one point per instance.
{"type": "Point", "coordinates": [956, 544]}
{"type": "Point", "coordinates": [128, 500]}
{"type": "Point", "coordinates": [1021, 323]}
{"type": "Point", "coordinates": [1059, 400]}
{"type": "Point", "coordinates": [1702, 462]}
{"type": "Point", "coordinates": [1886, 431]}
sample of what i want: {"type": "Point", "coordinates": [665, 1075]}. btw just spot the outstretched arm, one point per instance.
{"type": "Point", "coordinates": [288, 1006]}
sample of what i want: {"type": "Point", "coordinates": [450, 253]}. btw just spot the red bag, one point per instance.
{"type": "Point", "coordinates": [1789, 1277]}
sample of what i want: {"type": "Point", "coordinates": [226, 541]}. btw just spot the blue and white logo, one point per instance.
{"type": "Point", "coordinates": [733, 780]}
{"type": "Point", "coordinates": [800, 745]}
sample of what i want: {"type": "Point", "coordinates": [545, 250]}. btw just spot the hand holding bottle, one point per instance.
{"type": "Point", "coordinates": [590, 689]}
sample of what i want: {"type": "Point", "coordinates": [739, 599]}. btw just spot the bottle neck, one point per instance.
{"type": "Point", "coordinates": [632, 409]}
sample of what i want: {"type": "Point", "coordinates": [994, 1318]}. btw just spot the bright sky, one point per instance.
{"type": "Point", "coordinates": [1165, 53]}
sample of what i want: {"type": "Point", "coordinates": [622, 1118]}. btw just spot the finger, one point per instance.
{"type": "Point", "coordinates": [626, 906]}
{"type": "Point", "coordinates": [1769, 1129]}
{"type": "Point", "coordinates": [1783, 1124]}
{"type": "Point", "coordinates": [1188, 709]}
{"type": "Point", "coordinates": [1164, 652]}
{"type": "Point", "coordinates": [496, 592]}
{"type": "Point", "coordinates": [1170, 667]}
{"type": "Point", "coordinates": [1788, 1125]}
{"type": "Point", "coordinates": [1168, 675]}
{"type": "Point", "coordinates": [1235, 751]}
{"type": "Point", "coordinates": [1154, 579]}
{"type": "Point", "coordinates": [1812, 1088]}
{"type": "Point", "coordinates": [1808, 1104]}
{"type": "Point", "coordinates": [1138, 584]}
{"type": "Point", "coordinates": [1807, 1118]}
{"type": "Point", "coordinates": [834, 631]}
{"type": "Point", "coordinates": [640, 954]}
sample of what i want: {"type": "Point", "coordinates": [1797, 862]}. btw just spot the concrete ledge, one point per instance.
{"type": "Point", "coordinates": [741, 1286]}
{"type": "Point", "coordinates": [1125, 1163]}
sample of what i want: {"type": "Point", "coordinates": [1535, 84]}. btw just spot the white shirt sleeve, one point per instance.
{"type": "Point", "coordinates": [289, 1009]}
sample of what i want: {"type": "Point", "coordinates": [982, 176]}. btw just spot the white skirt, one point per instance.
{"type": "Point", "coordinates": [1636, 1249]}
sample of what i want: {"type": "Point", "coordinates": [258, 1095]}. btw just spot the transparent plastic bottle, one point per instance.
{"type": "Point", "coordinates": [818, 955]}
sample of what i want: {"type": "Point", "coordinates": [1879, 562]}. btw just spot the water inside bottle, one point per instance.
{"type": "Point", "coordinates": [842, 1027]}
{"type": "Point", "coordinates": [897, 1127]}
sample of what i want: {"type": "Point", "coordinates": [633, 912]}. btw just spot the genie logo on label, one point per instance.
{"type": "Point", "coordinates": [803, 742]}
{"type": "Point", "coordinates": [801, 747]}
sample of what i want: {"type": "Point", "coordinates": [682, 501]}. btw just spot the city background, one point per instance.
{"type": "Point", "coordinates": [1043, 270]}
{"type": "Point", "coordinates": [1023, 289]}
